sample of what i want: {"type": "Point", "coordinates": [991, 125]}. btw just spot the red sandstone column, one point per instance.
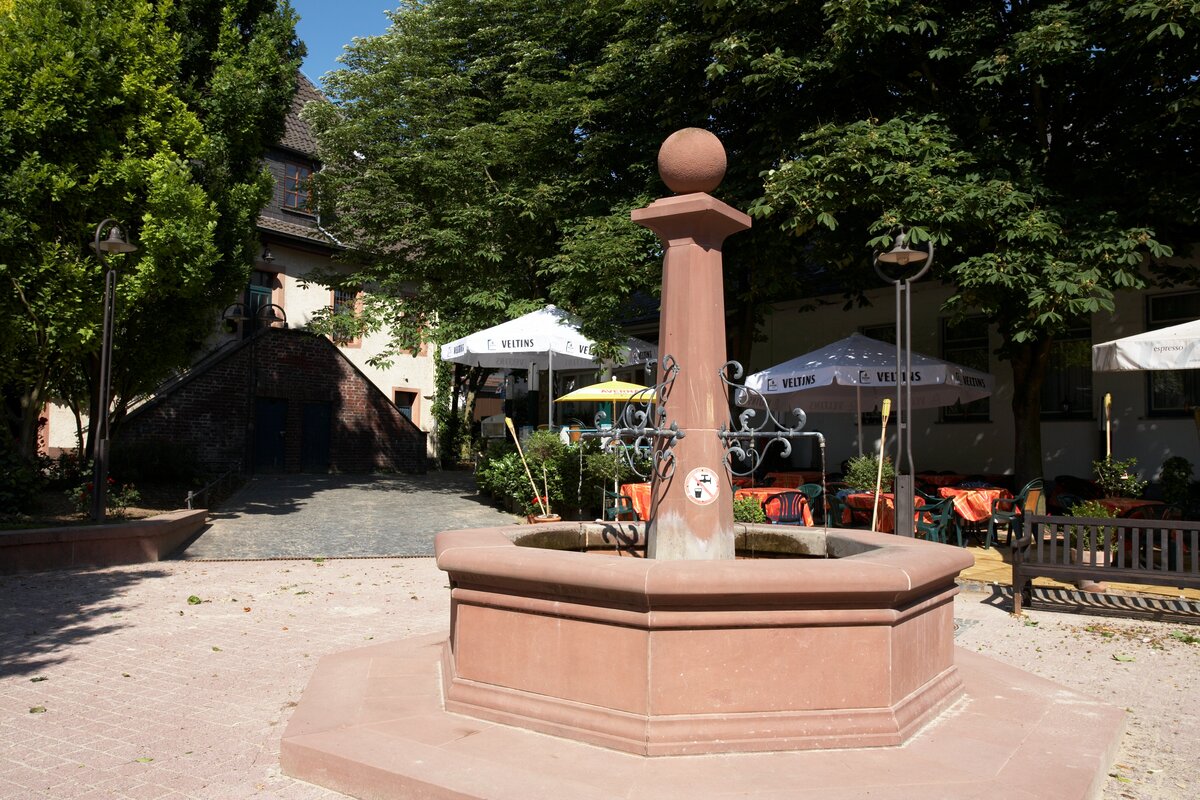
{"type": "Point", "coordinates": [691, 513]}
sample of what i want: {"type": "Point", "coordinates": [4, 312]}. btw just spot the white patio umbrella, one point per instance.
{"type": "Point", "coordinates": [1176, 347]}
{"type": "Point", "coordinates": [843, 375]}
{"type": "Point", "coordinates": [548, 338]}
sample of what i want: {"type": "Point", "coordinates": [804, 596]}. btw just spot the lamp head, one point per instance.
{"type": "Point", "coordinates": [115, 243]}
{"type": "Point", "coordinates": [901, 254]}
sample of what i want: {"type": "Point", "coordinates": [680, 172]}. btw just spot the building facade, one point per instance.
{"type": "Point", "coordinates": [1152, 412]}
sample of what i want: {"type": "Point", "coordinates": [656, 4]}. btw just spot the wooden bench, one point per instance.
{"type": "Point", "coordinates": [1141, 551]}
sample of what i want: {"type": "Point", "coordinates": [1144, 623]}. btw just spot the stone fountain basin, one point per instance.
{"type": "Point", "coordinates": [846, 643]}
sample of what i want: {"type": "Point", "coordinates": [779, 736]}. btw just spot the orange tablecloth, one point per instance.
{"type": "Point", "coordinates": [861, 504]}
{"type": "Point", "coordinates": [761, 493]}
{"type": "Point", "coordinates": [973, 505]}
{"type": "Point", "coordinates": [639, 493]}
{"type": "Point", "coordinates": [1121, 506]}
{"type": "Point", "coordinates": [792, 479]}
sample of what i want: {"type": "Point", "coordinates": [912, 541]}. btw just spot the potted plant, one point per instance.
{"type": "Point", "coordinates": [748, 509]}
{"type": "Point", "coordinates": [862, 472]}
{"type": "Point", "coordinates": [1118, 478]}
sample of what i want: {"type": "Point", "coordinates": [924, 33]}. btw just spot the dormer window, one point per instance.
{"type": "Point", "coordinates": [297, 195]}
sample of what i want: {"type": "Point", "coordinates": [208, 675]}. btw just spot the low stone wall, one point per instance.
{"type": "Point", "coordinates": [129, 542]}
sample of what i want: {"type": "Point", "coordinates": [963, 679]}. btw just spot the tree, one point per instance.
{"type": "Point", "coordinates": [484, 155]}
{"type": "Point", "coordinates": [1048, 149]}
{"type": "Point", "coordinates": [153, 113]}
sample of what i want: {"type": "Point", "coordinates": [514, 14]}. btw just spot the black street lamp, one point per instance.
{"type": "Point", "coordinates": [115, 243]}
{"type": "Point", "coordinates": [900, 267]}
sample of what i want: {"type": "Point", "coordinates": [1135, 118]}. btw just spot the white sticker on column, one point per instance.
{"type": "Point", "coordinates": [701, 486]}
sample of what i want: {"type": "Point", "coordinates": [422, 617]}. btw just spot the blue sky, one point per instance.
{"type": "Point", "coordinates": [326, 25]}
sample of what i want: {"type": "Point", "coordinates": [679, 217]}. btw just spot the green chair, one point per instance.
{"type": "Point", "coordinates": [616, 505]}
{"type": "Point", "coordinates": [1010, 511]}
{"type": "Point", "coordinates": [935, 520]}
{"type": "Point", "coordinates": [812, 493]}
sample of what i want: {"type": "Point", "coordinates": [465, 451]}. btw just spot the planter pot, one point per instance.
{"type": "Point", "coordinates": [538, 519]}
{"type": "Point", "coordinates": [1089, 558]}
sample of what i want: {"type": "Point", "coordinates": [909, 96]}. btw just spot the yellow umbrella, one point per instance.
{"type": "Point", "coordinates": [609, 390]}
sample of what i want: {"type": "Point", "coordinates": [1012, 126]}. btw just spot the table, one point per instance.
{"type": "Point", "coordinates": [860, 504]}
{"type": "Point", "coordinates": [761, 493]}
{"type": "Point", "coordinates": [1124, 506]}
{"type": "Point", "coordinates": [974, 505]}
{"type": "Point", "coordinates": [639, 493]}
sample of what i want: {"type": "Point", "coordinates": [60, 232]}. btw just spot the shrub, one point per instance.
{"type": "Point", "coordinates": [20, 482]}
{"type": "Point", "coordinates": [861, 472]}
{"type": "Point", "coordinates": [1118, 478]}
{"type": "Point", "coordinates": [748, 509]}
{"type": "Point", "coordinates": [1081, 535]}
{"type": "Point", "coordinates": [574, 474]}
{"type": "Point", "coordinates": [1177, 480]}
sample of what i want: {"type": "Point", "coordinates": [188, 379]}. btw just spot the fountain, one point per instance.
{"type": "Point", "coordinates": [836, 662]}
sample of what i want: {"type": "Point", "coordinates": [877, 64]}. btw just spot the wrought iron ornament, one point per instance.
{"type": "Point", "coordinates": [638, 432]}
{"type": "Point", "coordinates": [742, 445]}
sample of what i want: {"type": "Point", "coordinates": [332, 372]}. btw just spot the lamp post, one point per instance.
{"type": "Point", "coordinates": [909, 266]}
{"type": "Point", "coordinates": [115, 243]}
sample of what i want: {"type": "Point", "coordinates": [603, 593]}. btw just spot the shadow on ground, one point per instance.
{"type": "Point", "coordinates": [1128, 606]}
{"type": "Point", "coordinates": [43, 615]}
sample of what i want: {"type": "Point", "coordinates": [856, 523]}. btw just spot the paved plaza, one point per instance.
{"type": "Point", "coordinates": [310, 516]}
{"type": "Point", "coordinates": [176, 679]}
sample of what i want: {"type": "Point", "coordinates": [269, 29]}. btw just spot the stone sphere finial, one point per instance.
{"type": "Point", "coordinates": [691, 160]}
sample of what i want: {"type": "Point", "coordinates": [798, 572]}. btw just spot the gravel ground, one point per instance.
{"type": "Point", "coordinates": [114, 685]}
{"type": "Point", "coordinates": [1149, 668]}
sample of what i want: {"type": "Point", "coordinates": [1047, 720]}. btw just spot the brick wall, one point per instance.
{"type": "Point", "coordinates": [212, 410]}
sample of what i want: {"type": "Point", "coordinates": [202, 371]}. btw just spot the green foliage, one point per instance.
{"type": "Point", "coordinates": [1118, 478]}
{"type": "Point", "coordinates": [117, 498]}
{"type": "Point", "coordinates": [20, 482]}
{"type": "Point", "coordinates": [157, 115]}
{"type": "Point", "coordinates": [1082, 536]}
{"type": "Point", "coordinates": [1177, 480]}
{"type": "Point", "coordinates": [574, 473]}
{"type": "Point", "coordinates": [748, 509]}
{"type": "Point", "coordinates": [862, 471]}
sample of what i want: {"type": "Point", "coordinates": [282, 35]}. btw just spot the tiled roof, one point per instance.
{"type": "Point", "coordinates": [295, 229]}
{"type": "Point", "coordinates": [296, 133]}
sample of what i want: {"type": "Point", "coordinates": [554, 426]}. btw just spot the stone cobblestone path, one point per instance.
{"type": "Point", "coordinates": [307, 516]}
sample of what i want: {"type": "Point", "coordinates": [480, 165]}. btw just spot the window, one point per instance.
{"type": "Point", "coordinates": [346, 307]}
{"type": "Point", "coordinates": [966, 343]}
{"type": "Point", "coordinates": [1172, 391]}
{"type": "Point", "coordinates": [880, 333]}
{"type": "Point", "coordinates": [1067, 385]}
{"type": "Point", "coordinates": [261, 293]}
{"type": "Point", "coordinates": [405, 401]}
{"type": "Point", "coordinates": [296, 192]}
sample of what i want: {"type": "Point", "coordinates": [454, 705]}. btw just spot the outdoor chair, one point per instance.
{"type": "Point", "coordinates": [1010, 511]}
{"type": "Point", "coordinates": [812, 493]}
{"type": "Point", "coordinates": [785, 508]}
{"type": "Point", "coordinates": [616, 505]}
{"type": "Point", "coordinates": [935, 521]}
